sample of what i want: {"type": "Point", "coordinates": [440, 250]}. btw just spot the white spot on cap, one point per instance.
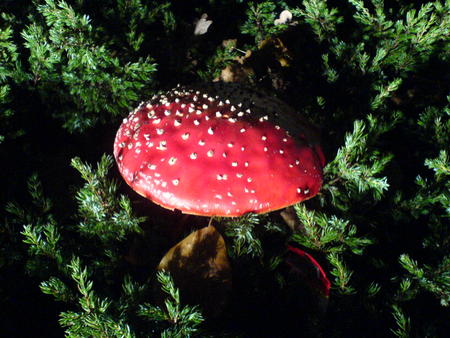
{"type": "Point", "coordinates": [210, 153]}
{"type": "Point", "coordinates": [198, 112]}
{"type": "Point", "coordinates": [299, 190]}
{"type": "Point", "coordinates": [249, 179]}
{"type": "Point", "coordinates": [147, 137]}
{"type": "Point", "coordinates": [239, 175]}
{"type": "Point", "coordinates": [246, 164]}
{"type": "Point", "coordinates": [242, 130]}
{"type": "Point", "coordinates": [232, 120]}
{"type": "Point", "coordinates": [175, 182]}
{"type": "Point", "coordinates": [177, 123]}
{"type": "Point", "coordinates": [234, 164]}
{"type": "Point", "coordinates": [281, 151]}
{"type": "Point", "coordinates": [218, 114]}
{"type": "Point", "coordinates": [196, 122]}
{"type": "Point", "coordinates": [185, 136]}
{"type": "Point", "coordinates": [193, 156]}
{"type": "Point", "coordinates": [191, 110]}
{"type": "Point", "coordinates": [218, 196]}
{"type": "Point", "coordinates": [157, 121]}
{"type": "Point", "coordinates": [164, 184]}
{"type": "Point", "coordinates": [160, 131]}
{"type": "Point", "coordinates": [306, 191]}
{"type": "Point", "coordinates": [201, 143]}
{"type": "Point", "coordinates": [210, 131]}
{"type": "Point", "coordinates": [205, 106]}
{"type": "Point", "coordinates": [266, 149]}
{"type": "Point", "coordinates": [122, 145]}
{"type": "Point", "coordinates": [264, 137]}
{"type": "Point", "coordinates": [172, 160]}
{"type": "Point", "coordinates": [230, 145]}
{"type": "Point", "coordinates": [162, 145]}
{"type": "Point", "coordinates": [167, 112]}
{"type": "Point", "coordinates": [222, 177]}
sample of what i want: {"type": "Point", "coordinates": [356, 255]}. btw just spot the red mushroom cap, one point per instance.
{"type": "Point", "coordinates": [186, 150]}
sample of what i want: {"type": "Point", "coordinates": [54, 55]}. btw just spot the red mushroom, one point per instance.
{"type": "Point", "coordinates": [203, 155]}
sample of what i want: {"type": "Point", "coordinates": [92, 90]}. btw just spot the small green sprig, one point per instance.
{"type": "Point", "coordinates": [103, 213]}
{"type": "Point", "coordinates": [184, 320]}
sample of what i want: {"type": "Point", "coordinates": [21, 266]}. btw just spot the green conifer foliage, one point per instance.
{"type": "Point", "coordinates": [67, 51]}
{"type": "Point", "coordinates": [9, 73]}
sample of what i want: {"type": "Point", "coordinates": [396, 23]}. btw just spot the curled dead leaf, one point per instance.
{"type": "Point", "coordinates": [201, 270]}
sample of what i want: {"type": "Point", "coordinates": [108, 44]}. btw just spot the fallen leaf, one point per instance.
{"type": "Point", "coordinates": [201, 270]}
{"type": "Point", "coordinates": [275, 48]}
{"type": "Point", "coordinates": [235, 73]}
{"type": "Point", "coordinates": [202, 25]}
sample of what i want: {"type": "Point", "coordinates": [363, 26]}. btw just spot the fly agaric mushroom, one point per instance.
{"type": "Point", "coordinates": [206, 156]}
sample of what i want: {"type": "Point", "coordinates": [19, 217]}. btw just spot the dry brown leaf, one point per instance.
{"type": "Point", "coordinates": [235, 73]}
{"type": "Point", "coordinates": [275, 48]}
{"type": "Point", "coordinates": [201, 270]}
